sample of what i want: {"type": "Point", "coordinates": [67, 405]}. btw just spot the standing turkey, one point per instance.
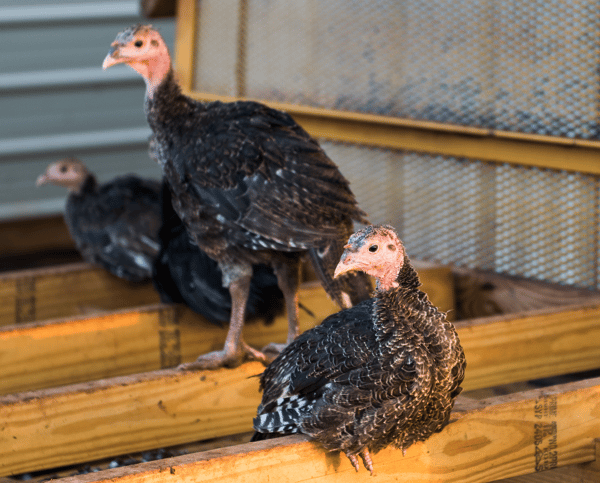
{"type": "Point", "coordinates": [115, 224]}
{"type": "Point", "coordinates": [250, 185]}
{"type": "Point", "coordinates": [386, 371]}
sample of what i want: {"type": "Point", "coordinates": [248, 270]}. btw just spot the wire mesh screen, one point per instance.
{"type": "Point", "coordinates": [530, 222]}
{"type": "Point", "coordinates": [530, 67]}
{"type": "Point", "coordinates": [510, 65]}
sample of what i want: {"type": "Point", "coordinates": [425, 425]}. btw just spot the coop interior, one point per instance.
{"type": "Point", "coordinates": [471, 127]}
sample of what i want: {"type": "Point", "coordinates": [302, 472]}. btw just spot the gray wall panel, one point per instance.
{"type": "Point", "coordinates": [56, 101]}
{"type": "Point", "coordinates": [72, 109]}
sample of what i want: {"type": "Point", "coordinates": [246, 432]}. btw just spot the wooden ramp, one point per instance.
{"type": "Point", "coordinates": [88, 384]}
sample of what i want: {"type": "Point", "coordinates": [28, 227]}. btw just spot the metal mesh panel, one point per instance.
{"type": "Point", "coordinates": [529, 222]}
{"type": "Point", "coordinates": [509, 65]}
{"type": "Point", "coordinates": [448, 209]}
{"type": "Point", "coordinates": [547, 224]}
{"type": "Point", "coordinates": [374, 174]}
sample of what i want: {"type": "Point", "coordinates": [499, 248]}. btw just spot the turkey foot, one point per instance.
{"type": "Point", "coordinates": [366, 457]}
{"type": "Point", "coordinates": [272, 350]}
{"type": "Point", "coordinates": [225, 358]}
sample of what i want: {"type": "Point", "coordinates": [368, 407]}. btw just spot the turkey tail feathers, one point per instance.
{"type": "Point", "coordinates": [284, 417]}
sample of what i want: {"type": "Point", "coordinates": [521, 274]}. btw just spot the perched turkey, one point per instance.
{"type": "Point", "coordinates": [182, 273]}
{"type": "Point", "coordinates": [386, 371]}
{"type": "Point", "coordinates": [115, 224]}
{"type": "Point", "coordinates": [250, 185]}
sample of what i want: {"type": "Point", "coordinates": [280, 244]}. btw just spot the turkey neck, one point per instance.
{"type": "Point", "coordinates": [407, 277]}
{"type": "Point", "coordinates": [168, 107]}
{"type": "Point", "coordinates": [417, 314]}
{"type": "Point", "coordinates": [89, 185]}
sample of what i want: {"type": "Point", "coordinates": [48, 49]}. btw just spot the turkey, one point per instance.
{"type": "Point", "coordinates": [182, 273]}
{"type": "Point", "coordinates": [386, 371]}
{"type": "Point", "coordinates": [251, 187]}
{"type": "Point", "coordinates": [119, 226]}
{"type": "Point", "coordinates": [115, 224]}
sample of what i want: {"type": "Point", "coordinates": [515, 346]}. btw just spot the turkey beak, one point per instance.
{"type": "Point", "coordinates": [42, 179]}
{"type": "Point", "coordinates": [112, 58]}
{"type": "Point", "coordinates": [346, 265]}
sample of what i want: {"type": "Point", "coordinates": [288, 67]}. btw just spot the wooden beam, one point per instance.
{"type": "Point", "coordinates": [185, 42]}
{"type": "Point", "coordinates": [501, 437]}
{"type": "Point", "coordinates": [76, 289]}
{"type": "Point", "coordinates": [65, 291]}
{"type": "Point", "coordinates": [58, 352]}
{"type": "Point", "coordinates": [530, 345]}
{"type": "Point", "coordinates": [581, 156]}
{"type": "Point", "coordinates": [580, 473]}
{"type": "Point", "coordinates": [500, 351]}
{"type": "Point", "coordinates": [72, 424]}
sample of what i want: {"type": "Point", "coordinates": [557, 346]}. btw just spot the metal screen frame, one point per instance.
{"type": "Point", "coordinates": [398, 133]}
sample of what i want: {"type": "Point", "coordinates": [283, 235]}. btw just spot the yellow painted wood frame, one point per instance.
{"type": "Point", "coordinates": [486, 440]}
{"type": "Point", "coordinates": [499, 350]}
{"type": "Point", "coordinates": [405, 134]}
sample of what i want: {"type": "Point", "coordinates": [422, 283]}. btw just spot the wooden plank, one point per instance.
{"type": "Point", "coordinates": [530, 345]}
{"type": "Point", "coordinates": [64, 291]}
{"type": "Point", "coordinates": [185, 42]}
{"type": "Point", "coordinates": [34, 234]}
{"type": "Point", "coordinates": [49, 354]}
{"type": "Point", "coordinates": [133, 458]}
{"type": "Point", "coordinates": [80, 288]}
{"type": "Point", "coordinates": [499, 350]}
{"type": "Point", "coordinates": [437, 138]}
{"type": "Point", "coordinates": [58, 352]}
{"type": "Point", "coordinates": [497, 438]}
{"type": "Point", "coordinates": [88, 421]}
{"type": "Point", "coordinates": [581, 473]}
{"type": "Point", "coordinates": [482, 293]}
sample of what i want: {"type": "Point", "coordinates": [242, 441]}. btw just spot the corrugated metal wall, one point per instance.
{"type": "Point", "coordinates": [55, 99]}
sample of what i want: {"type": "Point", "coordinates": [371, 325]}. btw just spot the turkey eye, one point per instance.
{"type": "Point", "coordinates": [138, 43]}
{"type": "Point", "coordinates": [373, 248]}
{"type": "Point", "coordinates": [63, 169]}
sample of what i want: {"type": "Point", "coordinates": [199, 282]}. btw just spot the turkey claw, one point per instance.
{"type": "Point", "coordinates": [366, 457]}
{"type": "Point", "coordinates": [223, 358]}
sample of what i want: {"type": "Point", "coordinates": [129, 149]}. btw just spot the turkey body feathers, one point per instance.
{"type": "Point", "coordinates": [115, 225]}
{"type": "Point", "coordinates": [385, 371]}
{"type": "Point", "coordinates": [183, 273]}
{"type": "Point", "coordinates": [247, 179]}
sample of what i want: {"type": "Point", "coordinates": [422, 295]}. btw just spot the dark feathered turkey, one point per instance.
{"type": "Point", "coordinates": [115, 224]}
{"type": "Point", "coordinates": [250, 185]}
{"type": "Point", "coordinates": [183, 273]}
{"type": "Point", "coordinates": [386, 371]}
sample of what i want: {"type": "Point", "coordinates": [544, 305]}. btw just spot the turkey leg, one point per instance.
{"type": "Point", "coordinates": [235, 349]}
